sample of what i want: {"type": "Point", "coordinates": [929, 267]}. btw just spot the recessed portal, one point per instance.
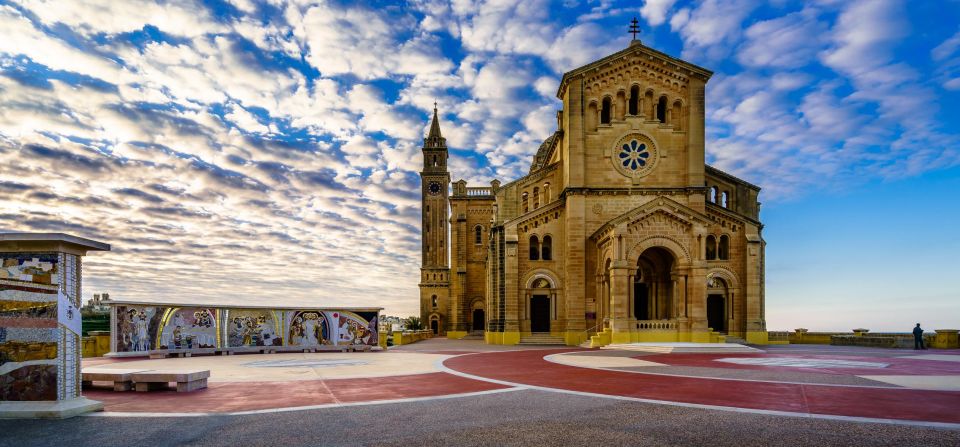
{"type": "Point", "coordinates": [478, 319]}
{"type": "Point", "coordinates": [715, 313]}
{"type": "Point", "coordinates": [641, 301]}
{"type": "Point", "coordinates": [540, 313]}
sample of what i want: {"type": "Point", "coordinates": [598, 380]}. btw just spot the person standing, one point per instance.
{"type": "Point", "coordinates": [918, 338]}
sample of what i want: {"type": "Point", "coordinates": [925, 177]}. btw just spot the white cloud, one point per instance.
{"type": "Point", "coordinates": [791, 41]}
{"type": "Point", "coordinates": [655, 11]}
{"type": "Point", "coordinates": [181, 17]}
{"type": "Point", "coordinates": [712, 27]}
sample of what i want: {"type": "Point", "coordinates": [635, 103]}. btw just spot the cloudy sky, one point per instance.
{"type": "Point", "coordinates": [241, 151]}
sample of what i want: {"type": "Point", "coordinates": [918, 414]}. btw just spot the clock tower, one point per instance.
{"type": "Point", "coordinates": [434, 265]}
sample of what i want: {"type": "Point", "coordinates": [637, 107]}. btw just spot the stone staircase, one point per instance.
{"type": "Point", "coordinates": [542, 338]}
{"type": "Point", "coordinates": [732, 339]}
{"type": "Point", "coordinates": [684, 348]}
{"type": "Point", "coordinates": [474, 335]}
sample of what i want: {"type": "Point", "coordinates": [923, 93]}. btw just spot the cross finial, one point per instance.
{"type": "Point", "coordinates": [434, 106]}
{"type": "Point", "coordinates": [634, 28]}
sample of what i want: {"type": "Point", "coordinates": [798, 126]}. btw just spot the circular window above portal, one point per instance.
{"type": "Point", "coordinates": [634, 155]}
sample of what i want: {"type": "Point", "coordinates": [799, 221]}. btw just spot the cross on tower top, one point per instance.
{"type": "Point", "coordinates": [634, 28]}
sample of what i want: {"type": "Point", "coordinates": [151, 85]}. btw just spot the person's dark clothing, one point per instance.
{"type": "Point", "coordinates": [918, 338]}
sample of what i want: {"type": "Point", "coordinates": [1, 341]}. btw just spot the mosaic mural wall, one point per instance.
{"type": "Point", "coordinates": [145, 328]}
{"type": "Point", "coordinates": [252, 327]}
{"type": "Point", "coordinates": [37, 354]}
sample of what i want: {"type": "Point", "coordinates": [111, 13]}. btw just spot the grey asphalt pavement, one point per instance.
{"type": "Point", "coordinates": [519, 418]}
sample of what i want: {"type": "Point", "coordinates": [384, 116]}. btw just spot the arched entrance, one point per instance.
{"type": "Point", "coordinates": [717, 304]}
{"type": "Point", "coordinates": [478, 320]}
{"type": "Point", "coordinates": [435, 325]}
{"type": "Point", "coordinates": [540, 305]}
{"type": "Point", "coordinates": [653, 285]}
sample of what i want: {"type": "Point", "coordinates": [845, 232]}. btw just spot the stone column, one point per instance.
{"type": "Point", "coordinates": [40, 330]}
{"type": "Point", "coordinates": [619, 275]}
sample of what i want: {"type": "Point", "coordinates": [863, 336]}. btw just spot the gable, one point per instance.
{"type": "Point", "coordinates": [637, 54]}
{"type": "Point", "coordinates": [662, 212]}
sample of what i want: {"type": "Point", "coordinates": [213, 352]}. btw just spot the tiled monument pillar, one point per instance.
{"type": "Point", "coordinates": [40, 326]}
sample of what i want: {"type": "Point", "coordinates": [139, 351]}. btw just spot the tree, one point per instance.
{"type": "Point", "coordinates": [414, 324]}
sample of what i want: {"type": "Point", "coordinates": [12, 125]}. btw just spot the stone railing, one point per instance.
{"type": "Point", "coordinates": [778, 336]}
{"type": "Point", "coordinates": [407, 337]}
{"type": "Point", "coordinates": [656, 324]}
{"type": "Point", "coordinates": [479, 191]}
{"type": "Point", "coordinates": [942, 338]}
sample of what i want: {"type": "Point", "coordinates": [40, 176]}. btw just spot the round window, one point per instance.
{"type": "Point", "coordinates": [634, 155]}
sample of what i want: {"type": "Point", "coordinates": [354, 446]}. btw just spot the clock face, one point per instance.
{"type": "Point", "coordinates": [434, 188]}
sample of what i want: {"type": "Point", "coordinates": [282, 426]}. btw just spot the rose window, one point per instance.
{"type": "Point", "coordinates": [634, 154]}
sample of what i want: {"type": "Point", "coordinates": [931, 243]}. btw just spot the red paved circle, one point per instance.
{"type": "Point", "coordinates": [225, 397]}
{"type": "Point", "coordinates": [529, 368]}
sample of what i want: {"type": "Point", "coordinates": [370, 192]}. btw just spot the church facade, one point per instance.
{"type": "Point", "coordinates": [619, 233]}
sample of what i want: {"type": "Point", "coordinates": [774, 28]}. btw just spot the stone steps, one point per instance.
{"type": "Point", "coordinates": [736, 340]}
{"type": "Point", "coordinates": [542, 339]}
{"type": "Point", "coordinates": [685, 348]}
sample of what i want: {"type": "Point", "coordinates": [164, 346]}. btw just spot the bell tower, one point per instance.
{"type": "Point", "coordinates": [435, 264]}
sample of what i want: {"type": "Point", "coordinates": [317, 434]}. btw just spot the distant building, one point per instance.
{"type": "Point", "coordinates": [618, 228]}
{"type": "Point", "coordinates": [99, 303]}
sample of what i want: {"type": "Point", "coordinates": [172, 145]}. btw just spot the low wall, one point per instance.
{"type": "Point", "coordinates": [940, 339]}
{"type": "Point", "coordinates": [96, 344]}
{"type": "Point", "coordinates": [407, 337]}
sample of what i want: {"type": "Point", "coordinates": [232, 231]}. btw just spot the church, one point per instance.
{"type": "Point", "coordinates": [619, 233]}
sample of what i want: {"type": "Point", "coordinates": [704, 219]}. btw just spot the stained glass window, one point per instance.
{"type": "Point", "coordinates": [633, 155]}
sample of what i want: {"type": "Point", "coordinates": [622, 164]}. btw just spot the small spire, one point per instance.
{"type": "Point", "coordinates": [434, 138]}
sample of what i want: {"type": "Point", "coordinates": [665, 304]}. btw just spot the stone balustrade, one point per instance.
{"type": "Point", "coordinates": [656, 324]}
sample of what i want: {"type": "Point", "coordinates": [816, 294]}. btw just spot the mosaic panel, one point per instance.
{"type": "Point", "coordinates": [308, 328]}
{"type": "Point", "coordinates": [352, 329]}
{"type": "Point", "coordinates": [136, 327]}
{"type": "Point", "coordinates": [30, 268]}
{"type": "Point", "coordinates": [252, 327]}
{"type": "Point", "coordinates": [30, 382]}
{"type": "Point", "coordinates": [188, 328]}
{"type": "Point", "coordinates": [31, 356]}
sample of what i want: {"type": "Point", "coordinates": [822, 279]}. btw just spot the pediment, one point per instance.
{"type": "Point", "coordinates": [635, 52]}
{"type": "Point", "coordinates": [661, 209]}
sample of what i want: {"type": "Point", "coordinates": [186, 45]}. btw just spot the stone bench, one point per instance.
{"type": "Point", "coordinates": [187, 380]}
{"type": "Point", "coordinates": [121, 378]}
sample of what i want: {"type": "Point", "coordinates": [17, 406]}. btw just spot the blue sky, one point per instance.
{"type": "Point", "coordinates": [240, 151]}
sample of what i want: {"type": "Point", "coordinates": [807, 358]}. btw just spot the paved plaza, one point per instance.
{"type": "Point", "coordinates": [443, 391]}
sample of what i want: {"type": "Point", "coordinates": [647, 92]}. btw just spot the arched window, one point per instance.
{"type": "Point", "coordinates": [713, 194]}
{"type": "Point", "coordinates": [523, 201]}
{"type": "Point", "coordinates": [478, 235]}
{"type": "Point", "coordinates": [536, 197]}
{"type": "Point", "coordinates": [534, 248]}
{"type": "Point", "coordinates": [605, 111]}
{"type": "Point", "coordinates": [433, 301]}
{"type": "Point", "coordinates": [723, 251]}
{"type": "Point", "coordinates": [546, 250]}
{"type": "Point", "coordinates": [662, 109]}
{"type": "Point", "coordinates": [724, 198]}
{"type": "Point", "coordinates": [634, 105]}
{"type": "Point", "coordinates": [546, 193]}
{"type": "Point", "coordinates": [711, 247]}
